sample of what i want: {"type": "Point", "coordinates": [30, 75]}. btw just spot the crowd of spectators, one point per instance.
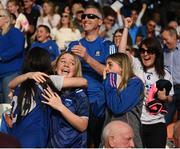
{"type": "Point", "coordinates": [127, 50]}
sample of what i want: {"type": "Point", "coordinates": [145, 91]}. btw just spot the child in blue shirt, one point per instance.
{"type": "Point", "coordinates": [69, 119]}
{"type": "Point", "coordinates": [44, 41]}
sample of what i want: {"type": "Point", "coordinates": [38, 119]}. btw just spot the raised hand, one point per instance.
{"type": "Point", "coordinates": [128, 22]}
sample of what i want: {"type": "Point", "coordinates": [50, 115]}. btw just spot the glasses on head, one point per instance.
{"type": "Point", "coordinates": [149, 51]}
{"type": "Point", "coordinates": [89, 16]}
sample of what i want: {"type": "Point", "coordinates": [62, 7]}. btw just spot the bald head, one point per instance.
{"type": "Point", "coordinates": [118, 134]}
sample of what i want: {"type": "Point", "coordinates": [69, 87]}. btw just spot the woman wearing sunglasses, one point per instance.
{"type": "Point", "coordinates": [153, 125]}
{"type": "Point", "coordinates": [66, 31]}
{"type": "Point", "coordinates": [150, 70]}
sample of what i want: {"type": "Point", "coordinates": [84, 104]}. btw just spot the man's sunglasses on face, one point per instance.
{"type": "Point", "coordinates": [89, 16]}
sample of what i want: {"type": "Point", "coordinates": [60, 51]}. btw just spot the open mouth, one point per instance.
{"type": "Point", "coordinates": [65, 72]}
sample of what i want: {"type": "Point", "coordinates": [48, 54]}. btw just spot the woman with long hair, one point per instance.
{"type": "Point", "coordinates": [124, 93]}
{"type": "Point", "coordinates": [66, 31]}
{"type": "Point", "coordinates": [154, 131]}
{"type": "Point", "coordinates": [11, 52]}
{"type": "Point", "coordinates": [48, 15]}
{"type": "Point", "coordinates": [15, 8]}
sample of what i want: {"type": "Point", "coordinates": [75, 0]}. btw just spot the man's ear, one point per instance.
{"type": "Point", "coordinates": [100, 22]}
{"type": "Point", "coordinates": [111, 141]}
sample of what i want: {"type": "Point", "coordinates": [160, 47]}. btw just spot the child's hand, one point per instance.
{"type": "Point", "coordinates": [53, 99]}
{"type": "Point", "coordinates": [37, 76]}
{"type": "Point", "coordinates": [162, 95]}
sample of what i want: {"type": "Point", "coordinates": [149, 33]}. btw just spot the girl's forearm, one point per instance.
{"type": "Point", "coordinates": [78, 122]}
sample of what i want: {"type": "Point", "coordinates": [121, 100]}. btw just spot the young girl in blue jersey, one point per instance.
{"type": "Point", "coordinates": [69, 119]}
{"type": "Point", "coordinates": [124, 93]}
{"type": "Point", "coordinates": [29, 120]}
{"type": "Point", "coordinates": [68, 128]}
{"type": "Point", "coordinates": [44, 40]}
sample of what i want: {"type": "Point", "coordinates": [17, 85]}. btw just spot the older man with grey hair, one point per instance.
{"type": "Point", "coordinates": [117, 134]}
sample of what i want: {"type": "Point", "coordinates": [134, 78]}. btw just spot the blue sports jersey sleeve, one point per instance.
{"type": "Point", "coordinates": [83, 109]}
{"type": "Point", "coordinates": [126, 99]}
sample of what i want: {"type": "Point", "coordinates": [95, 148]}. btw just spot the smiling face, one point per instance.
{"type": "Point", "coordinates": [42, 34]}
{"type": "Point", "coordinates": [90, 24]}
{"type": "Point", "coordinates": [169, 40]}
{"type": "Point", "coordinates": [66, 65]}
{"type": "Point", "coordinates": [148, 58]}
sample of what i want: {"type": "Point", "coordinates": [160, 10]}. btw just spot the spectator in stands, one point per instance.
{"type": "Point", "coordinates": [118, 134]}
{"type": "Point", "coordinates": [77, 19]}
{"type": "Point", "coordinates": [44, 41]}
{"type": "Point", "coordinates": [171, 61]}
{"type": "Point", "coordinates": [66, 32]}
{"type": "Point", "coordinates": [174, 24]}
{"type": "Point", "coordinates": [11, 52]}
{"type": "Point", "coordinates": [69, 117]}
{"type": "Point", "coordinates": [32, 15]}
{"type": "Point", "coordinates": [15, 8]}
{"type": "Point", "coordinates": [93, 51]}
{"type": "Point", "coordinates": [109, 24]}
{"type": "Point", "coordinates": [124, 93]}
{"type": "Point", "coordinates": [146, 31]}
{"type": "Point", "coordinates": [48, 15]}
{"type": "Point", "coordinates": [136, 22]}
{"type": "Point", "coordinates": [29, 119]}
{"type": "Point", "coordinates": [154, 130]}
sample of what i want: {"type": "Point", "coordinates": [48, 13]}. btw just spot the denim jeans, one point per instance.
{"type": "Point", "coordinates": [4, 87]}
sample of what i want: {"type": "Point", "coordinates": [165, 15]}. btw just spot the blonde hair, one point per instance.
{"type": "Point", "coordinates": [78, 67]}
{"type": "Point", "coordinates": [8, 24]}
{"type": "Point", "coordinates": [70, 25]}
{"type": "Point", "coordinates": [124, 62]}
{"type": "Point", "coordinates": [16, 3]}
{"type": "Point", "coordinates": [51, 4]}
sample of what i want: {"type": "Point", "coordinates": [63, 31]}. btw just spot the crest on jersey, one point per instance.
{"type": "Point", "coordinates": [97, 53]}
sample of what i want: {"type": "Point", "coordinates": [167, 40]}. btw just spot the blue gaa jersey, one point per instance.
{"type": "Point", "coordinates": [63, 134]}
{"type": "Point", "coordinates": [33, 129]}
{"type": "Point", "coordinates": [99, 49]}
{"type": "Point", "coordinates": [50, 46]}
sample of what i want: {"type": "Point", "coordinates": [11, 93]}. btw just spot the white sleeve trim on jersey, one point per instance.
{"type": "Point", "coordinates": [57, 81]}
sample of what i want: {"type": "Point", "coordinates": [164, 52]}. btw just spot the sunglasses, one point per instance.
{"type": "Point", "coordinates": [89, 16]}
{"type": "Point", "coordinates": [2, 16]}
{"type": "Point", "coordinates": [110, 20]}
{"type": "Point", "coordinates": [149, 51]}
{"type": "Point", "coordinates": [65, 16]}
